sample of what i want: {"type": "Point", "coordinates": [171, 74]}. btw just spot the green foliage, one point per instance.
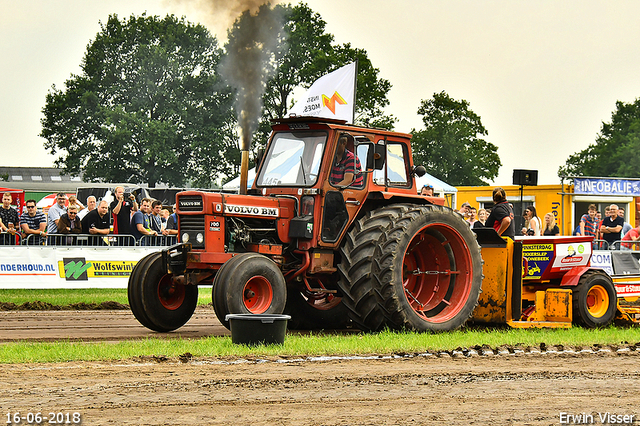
{"type": "Point", "coordinates": [5, 177]}
{"type": "Point", "coordinates": [147, 107]}
{"type": "Point", "coordinates": [616, 152]}
{"type": "Point", "coordinates": [450, 146]}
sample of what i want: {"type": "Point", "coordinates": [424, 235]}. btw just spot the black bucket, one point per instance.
{"type": "Point", "coordinates": [257, 329]}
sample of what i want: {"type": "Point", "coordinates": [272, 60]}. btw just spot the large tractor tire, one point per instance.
{"type": "Point", "coordinates": [248, 283]}
{"type": "Point", "coordinates": [315, 312]}
{"type": "Point", "coordinates": [594, 300]}
{"type": "Point", "coordinates": [155, 300]}
{"type": "Point", "coordinates": [356, 280]}
{"type": "Point", "coordinates": [429, 270]}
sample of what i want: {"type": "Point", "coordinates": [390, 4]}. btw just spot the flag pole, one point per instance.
{"type": "Point", "coordinates": [355, 91]}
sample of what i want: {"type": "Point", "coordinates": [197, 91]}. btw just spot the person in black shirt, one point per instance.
{"type": "Point", "coordinates": [611, 226]}
{"type": "Point", "coordinates": [121, 210]}
{"type": "Point", "coordinates": [501, 217]}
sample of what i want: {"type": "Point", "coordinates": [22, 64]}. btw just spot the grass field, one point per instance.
{"type": "Point", "coordinates": [64, 297]}
{"type": "Point", "coordinates": [296, 345]}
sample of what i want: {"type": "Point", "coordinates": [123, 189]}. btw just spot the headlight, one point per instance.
{"type": "Point", "coordinates": [185, 238]}
{"type": "Point", "coordinates": [199, 238]}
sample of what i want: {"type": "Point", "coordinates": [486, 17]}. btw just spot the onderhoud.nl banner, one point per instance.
{"type": "Point", "coordinates": [57, 267]}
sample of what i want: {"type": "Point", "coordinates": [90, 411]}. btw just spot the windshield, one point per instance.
{"type": "Point", "coordinates": [293, 159]}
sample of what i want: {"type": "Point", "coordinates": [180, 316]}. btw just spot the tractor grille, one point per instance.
{"type": "Point", "coordinates": [192, 225]}
{"type": "Point", "coordinates": [190, 203]}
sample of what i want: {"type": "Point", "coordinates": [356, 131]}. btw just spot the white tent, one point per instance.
{"type": "Point", "coordinates": [234, 184]}
{"type": "Point", "coordinates": [440, 188]}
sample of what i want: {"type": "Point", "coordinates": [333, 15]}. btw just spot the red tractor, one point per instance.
{"type": "Point", "coordinates": [333, 233]}
{"type": "Point", "coordinates": [329, 237]}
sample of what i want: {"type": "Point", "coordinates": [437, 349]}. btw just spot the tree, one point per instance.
{"type": "Point", "coordinates": [148, 106]}
{"type": "Point", "coordinates": [307, 52]}
{"type": "Point", "coordinates": [450, 145]}
{"type": "Point", "coordinates": [616, 152]}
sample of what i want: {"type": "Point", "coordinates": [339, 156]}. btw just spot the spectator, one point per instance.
{"type": "Point", "coordinates": [501, 217]}
{"type": "Point", "coordinates": [472, 216]}
{"type": "Point", "coordinates": [164, 215]}
{"type": "Point", "coordinates": [427, 191]}
{"type": "Point", "coordinates": [172, 224]}
{"type": "Point", "coordinates": [55, 213]}
{"type": "Point", "coordinates": [464, 210]}
{"type": "Point", "coordinates": [632, 235]}
{"type": "Point", "coordinates": [141, 222]}
{"type": "Point", "coordinates": [121, 209]}
{"type": "Point", "coordinates": [550, 227]}
{"type": "Point", "coordinates": [611, 226]}
{"type": "Point", "coordinates": [156, 219]}
{"type": "Point", "coordinates": [96, 222]}
{"type": "Point", "coordinates": [33, 222]}
{"type": "Point", "coordinates": [69, 222]}
{"type": "Point", "coordinates": [482, 219]}
{"type": "Point", "coordinates": [533, 220]}
{"type": "Point", "coordinates": [626, 227]}
{"type": "Point", "coordinates": [346, 170]}
{"type": "Point", "coordinates": [73, 201]}
{"type": "Point", "coordinates": [9, 220]}
{"type": "Point", "coordinates": [91, 205]}
{"type": "Point", "coordinates": [589, 222]}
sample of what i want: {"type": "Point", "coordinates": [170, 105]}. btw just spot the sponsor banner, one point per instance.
{"type": "Point", "coordinates": [594, 186]}
{"type": "Point", "coordinates": [570, 255]}
{"type": "Point", "coordinates": [538, 257]}
{"type": "Point", "coordinates": [602, 259]}
{"type": "Point", "coordinates": [628, 289]}
{"type": "Point", "coordinates": [58, 267]}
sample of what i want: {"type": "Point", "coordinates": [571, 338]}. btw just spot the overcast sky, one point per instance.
{"type": "Point", "coordinates": [542, 75]}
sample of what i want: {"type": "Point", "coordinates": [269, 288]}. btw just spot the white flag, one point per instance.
{"type": "Point", "coordinates": [330, 96]}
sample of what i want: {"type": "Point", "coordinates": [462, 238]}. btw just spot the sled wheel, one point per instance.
{"type": "Point", "coordinates": [166, 305]}
{"type": "Point", "coordinates": [430, 270]}
{"type": "Point", "coordinates": [248, 283]}
{"type": "Point", "coordinates": [594, 300]}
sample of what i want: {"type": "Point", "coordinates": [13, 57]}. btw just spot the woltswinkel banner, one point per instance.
{"type": "Point", "coordinates": [331, 96]}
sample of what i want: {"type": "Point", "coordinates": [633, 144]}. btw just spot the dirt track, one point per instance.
{"type": "Point", "coordinates": [520, 389]}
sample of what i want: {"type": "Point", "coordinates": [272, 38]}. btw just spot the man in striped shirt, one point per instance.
{"type": "Point", "coordinates": [346, 170]}
{"type": "Point", "coordinates": [589, 222]}
{"type": "Point", "coordinates": [33, 222]}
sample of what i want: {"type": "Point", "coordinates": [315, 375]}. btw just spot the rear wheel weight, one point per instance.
{"type": "Point", "coordinates": [594, 300]}
{"type": "Point", "coordinates": [429, 270]}
{"type": "Point", "coordinates": [310, 312]}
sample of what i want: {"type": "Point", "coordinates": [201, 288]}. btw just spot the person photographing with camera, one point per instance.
{"type": "Point", "coordinates": [121, 209]}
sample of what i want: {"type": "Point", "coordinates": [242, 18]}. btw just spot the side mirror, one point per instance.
{"type": "Point", "coordinates": [379, 157]}
{"type": "Point", "coordinates": [419, 171]}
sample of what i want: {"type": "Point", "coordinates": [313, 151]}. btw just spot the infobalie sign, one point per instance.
{"type": "Point", "coordinates": [604, 186]}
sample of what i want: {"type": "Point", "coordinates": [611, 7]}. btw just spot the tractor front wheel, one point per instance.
{"type": "Point", "coordinates": [156, 300]}
{"type": "Point", "coordinates": [248, 283]}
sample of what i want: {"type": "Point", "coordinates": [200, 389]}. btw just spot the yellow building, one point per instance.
{"type": "Point", "coordinates": [567, 205]}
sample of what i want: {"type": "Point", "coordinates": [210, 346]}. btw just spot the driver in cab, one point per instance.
{"type": "Point", "coordinates": [346, 168]}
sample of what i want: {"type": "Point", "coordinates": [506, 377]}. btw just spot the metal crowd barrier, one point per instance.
{"type": "Point", "coordinates": [91, 240]}
{"type": "Point", "coordinates": [6, 239]}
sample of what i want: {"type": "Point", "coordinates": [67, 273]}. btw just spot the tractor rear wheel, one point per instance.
{"type": "Point", "coordinates": [429, 270]}
{"type": "Point", "coordinates": [156, 300]}
{"type": "Point", "coordinates": [356, 281]}
{"type": "Point", "coordinates": [248, 283]}
{"type": "Point", "coordinates": [594, 300]}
